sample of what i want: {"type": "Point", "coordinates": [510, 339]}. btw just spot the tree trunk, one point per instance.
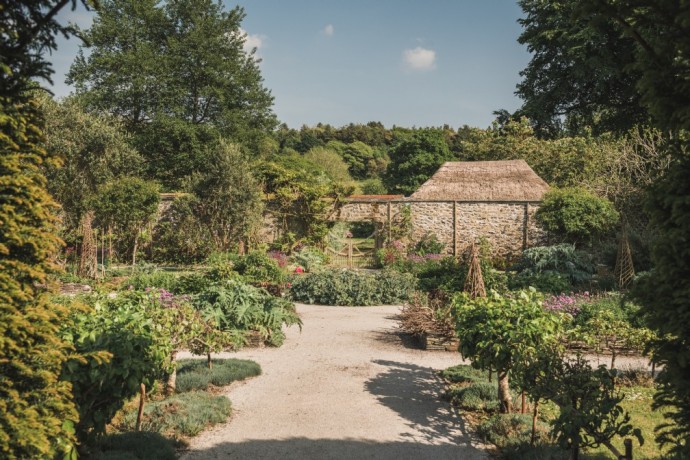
{"type": "Point", "coordinates": [142, 399]}
{"type": "Point", "coordinates": [208, 358]}
{"type": "Point", "coordinates": [171, 384]}
{"type": "Point", "coordinates": [575, 453]}
{"type": "Point", "coordinates": [613, 358]}
{"type": "Point", "coordinates": [653, 368]}
{"type": "Point", "coordinates": [134, 251]}
{"type": "Point", "coordinates": [490, 375]}
{"type": "Point", "coordinates": [504, 391]}
{"type": "Point", "coordinates": [535, 414]}
{"type": "Point", "coordinates": [523, 408]}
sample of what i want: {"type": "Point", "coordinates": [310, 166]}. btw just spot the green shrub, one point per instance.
{"type": "Point", "coordinates": [194, 374]}
{"type": "Point", "coordinates": [549, 282]}
{"type": "Point", "coordinates": [613, 305]}
{"type": "Point", "coordinates": [506, 429]}
{"type": "Point", "coordinates": [310, 259]}
{"type": "Point", "coordinates": [351, 287]}
{"type": "Point", "coordinates": [123, 346]}
{"type": "Point", "coordinates": [155, 279]}
{"type": "Point", "coordinates": [561, 259]}
{"type": "Point", "coordinates": [476, 397]}
{"type": "Point", "coordinates": [428, 244]}
{"type": "Point", "coordinates": [192, 283]}
{"type": "Point", "coordinates": [448, 275]}
{"type": "Point", "coordinates": [258, 267]}
{"type": "Point", "coordinates": [178, 236]}
{"type": "Point", "coordinates": [135, 445]}
{"type": "Point", "coordinates": [235, 306]}
{"type": "Point", "coordinates": [463, 373]}
{"type": "Point", "coordinates": [181, 415]}
{"type": "Point", "coordinates": [576, 214]}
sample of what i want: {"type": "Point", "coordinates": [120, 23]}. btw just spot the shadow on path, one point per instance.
{"type": "Point", "coordinates": [414, 393]}
{"type": "Point", "coordinates": [335, 449]}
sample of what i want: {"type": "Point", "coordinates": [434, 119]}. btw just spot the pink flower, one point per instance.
{"type": "Point", "coordinates": [299, 269]}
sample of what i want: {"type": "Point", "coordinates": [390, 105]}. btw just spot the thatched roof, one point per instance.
{"type": "Point", "coordinates": [374, 197]}
{"type": "Point", "coordinates": [511, 180]}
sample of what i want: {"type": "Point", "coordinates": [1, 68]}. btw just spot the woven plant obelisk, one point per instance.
{"type": "Point", "coordinates": [88, 265]}
{"type": "Point", "coordinates": [624, 271]}
{"type": "Point", "coordinates": [474, 283]}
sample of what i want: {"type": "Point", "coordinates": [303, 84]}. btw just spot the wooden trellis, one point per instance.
{"type": "Point", "coordinates": [624, 271]}
{"type": "Point", "coordinates": [474, 283]}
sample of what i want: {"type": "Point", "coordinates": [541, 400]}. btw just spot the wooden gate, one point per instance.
{"type": "Point", "coordinates": [351, 256]}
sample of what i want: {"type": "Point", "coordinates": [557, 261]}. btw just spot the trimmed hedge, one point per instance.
{"type": "Point", "coordinates": [352, 287]}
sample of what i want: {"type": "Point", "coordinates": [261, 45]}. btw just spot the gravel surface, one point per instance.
{"type": "Point", "coordinates": [346, 387]}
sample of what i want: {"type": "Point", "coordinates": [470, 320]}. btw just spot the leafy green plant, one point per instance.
{"type": "Point", "coordinates": [194, 374]}
{"type": "Point", "coordinates": [192, 283]}
{"type": "Point", "coordinates": [497, 332]}
{"type": "Point", "coordinates": [545, 265]}
{"type": "Point", "coordinates": [351, 287]}
{"type": "Point", "coordinates": [549, 282]}
{"type": "Point", "coordinates": [235, 306]}
{"type": "Point", "coordinates": [428, 244]}
{"type": "Point", "coordinates": [590, 412]}
{"type": "Point", "coordinates": [258, 267]}
{"type": "Point", "coordinates": [156, 279]}
{"type": "Point", "coordinates": [310, 259]}
{"type": "Point", "coordinates": [126, 206]}
{"type": "Point", "coordinates": [576, 214]}
{"type": "Point", "coordinates": [122, 347]}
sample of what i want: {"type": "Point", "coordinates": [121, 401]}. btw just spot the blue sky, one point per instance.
{"type": "Point", "coordinates": [401, 62]}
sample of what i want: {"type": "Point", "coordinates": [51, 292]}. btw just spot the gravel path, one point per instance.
{"type": "Point", "coordinates": [346, 387]}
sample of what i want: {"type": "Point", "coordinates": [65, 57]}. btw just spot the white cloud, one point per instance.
{"type": "Point", "coordinates": [329, 30]}
{"type": "Point", "coordinates": [252, 41]}
{"type": "Point", "coordinates": [420, 59]}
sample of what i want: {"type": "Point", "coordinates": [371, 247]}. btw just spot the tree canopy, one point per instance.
{"type": "Point", "coordinates": [414, 160]}
{"type": "Point", "coordinates": [177, 74]}
{"type": "Point", "coordinates": [579, 76]}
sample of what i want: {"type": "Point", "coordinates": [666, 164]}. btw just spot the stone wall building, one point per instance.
{"type": "Point", "coordinates": [462, 203]}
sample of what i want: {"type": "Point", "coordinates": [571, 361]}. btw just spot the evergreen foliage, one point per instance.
{"type": "Point", "coordinates": [37, 414]}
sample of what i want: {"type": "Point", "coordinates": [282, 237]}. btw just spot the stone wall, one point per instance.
{"type": "Point", "coordinates": [509, 227]}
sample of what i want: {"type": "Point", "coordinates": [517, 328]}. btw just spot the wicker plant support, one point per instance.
{"type": "Point", "coordinates": [88, 261]}
{"type": "Point", "coordinates": [624, 271]}
{"type": "Point", "coordinates": [474, 283]}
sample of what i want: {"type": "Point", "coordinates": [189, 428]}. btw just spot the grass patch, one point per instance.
{"type": "Point", "coordinates": [194, 374]}
{"type": "Point", "coordinates": [140, 445]}
{"type": "Point", "coordinates": [181, 416]}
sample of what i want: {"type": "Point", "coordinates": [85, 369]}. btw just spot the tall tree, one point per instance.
{"type": "Point", "coordinates": [228, 198]}
{"type": "Point", "coordinates": [579, 75]}
{"type": "Point", "coordinates": [93, 150]}
{"type": "Point", "coordinates": [660, 31]}
{"type": "Point", "coordinates": [178, 75]}
{"type": "Point", "coordinates": [36, 409]}
{"type": "Point", "coordinates": [414, 160]}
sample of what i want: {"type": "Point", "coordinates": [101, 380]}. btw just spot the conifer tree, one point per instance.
{"type": "Point", "coordinates": [36, 408]}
